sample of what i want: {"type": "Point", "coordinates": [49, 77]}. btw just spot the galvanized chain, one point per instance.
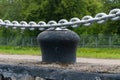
{"type": "Point", "coordinates": [63, 23]}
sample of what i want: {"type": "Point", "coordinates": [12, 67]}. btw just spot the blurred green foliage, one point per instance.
{"type": "Point", "coordinates": [45, 10]}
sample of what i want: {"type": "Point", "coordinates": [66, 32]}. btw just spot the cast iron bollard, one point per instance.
{"type": "Point", "coordinates": [58, 46]}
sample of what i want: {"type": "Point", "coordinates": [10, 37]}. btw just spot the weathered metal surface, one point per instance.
{"type": "Point", "coordinates": [58, 46]}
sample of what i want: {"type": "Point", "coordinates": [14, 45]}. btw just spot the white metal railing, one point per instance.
{"type": "Point", "coordinates": [63, 23]}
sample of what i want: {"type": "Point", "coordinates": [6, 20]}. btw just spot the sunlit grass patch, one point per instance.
{"type": "Point", "coordinates": [99, 53]}
{"type": "Point", "coordinates": [20, 50]}
{"type": "Point", "coordinates": [111, 53]}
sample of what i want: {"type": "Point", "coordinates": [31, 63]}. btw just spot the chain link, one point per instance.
{"type": "Point", "coordinates": [63, 23]}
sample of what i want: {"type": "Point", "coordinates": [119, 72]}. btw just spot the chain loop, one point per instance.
{"type": "Point", "coordinates": [62, 22]}
{"type": "Point", "coordinates": [23, 23]}
{"type": "Point", "coordinates": [114, 12]}
{"type": "Point", "coordinates": [41, 23]}
{"type": "Point", "coordinates": [86, 19]}
{"type": "Point", "coordinates": [7, 22]}
{"type": "Point", "coordinates": [32, 23]}
{"type": "Point", "coordinates": [101, 18]}
{"type": "Point", "coordinates": [14, 24]}
{"type": "Point", "coordinates": [52, 23]}
{"type": "Point", "coordinates": [75, 20]}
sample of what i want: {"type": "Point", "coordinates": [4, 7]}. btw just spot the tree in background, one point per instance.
{"type": "Point", "coordinates": [46, 10]}
{"type": "Point", "coordinates": [59, 9]}
{"type": "Point", "coordinates": [9, 9]}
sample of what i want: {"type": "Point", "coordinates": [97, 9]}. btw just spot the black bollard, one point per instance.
{"type": "Point", "coordinates": [58, 46]}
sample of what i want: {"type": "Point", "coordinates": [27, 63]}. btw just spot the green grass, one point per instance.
{"type": "Point", "coordinates": [111, 53]}
{"type": "Point", "coordinates": [20, 50]}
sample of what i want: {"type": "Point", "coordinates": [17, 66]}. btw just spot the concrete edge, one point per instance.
{"type": "Point", "coordinates": [56, 74]}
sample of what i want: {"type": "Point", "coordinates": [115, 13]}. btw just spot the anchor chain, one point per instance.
{"type": "Point", "coordinates": [63, 23]}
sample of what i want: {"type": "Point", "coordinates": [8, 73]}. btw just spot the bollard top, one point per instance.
{"type": "Point", "coordinates": [61, 34]}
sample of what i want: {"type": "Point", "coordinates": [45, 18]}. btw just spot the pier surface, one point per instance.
{"type": "Point", "coordinates": [83, 64]}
